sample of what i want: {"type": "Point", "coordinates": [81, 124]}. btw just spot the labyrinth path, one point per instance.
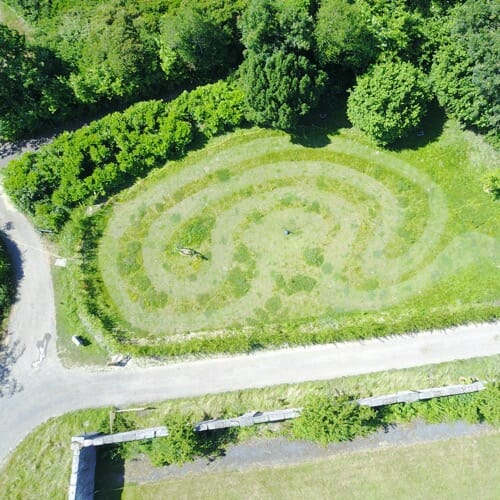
{"type": "Point", "coordinates": [287, 232]}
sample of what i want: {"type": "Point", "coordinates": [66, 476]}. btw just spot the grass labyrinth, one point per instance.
{"type": "Point", "coordinates": [288, 233]}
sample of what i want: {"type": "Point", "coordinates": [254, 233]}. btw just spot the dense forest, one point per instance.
{"type": "Point", "coordinates": [390, 58]}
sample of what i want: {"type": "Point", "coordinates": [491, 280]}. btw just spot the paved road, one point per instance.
{"type": "Point", "coordinates": [35, 386]}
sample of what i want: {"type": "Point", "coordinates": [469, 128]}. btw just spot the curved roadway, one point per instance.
{"type": "Point", "coordinates": [34, 386]}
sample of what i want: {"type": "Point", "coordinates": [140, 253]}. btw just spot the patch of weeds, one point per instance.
{"type": "Point", "coordinates": [370, 284]}
{"type": "Point", "coordinates": [261, 315]}
{"type": "Point", "coordinates": [300, 283]}
{"type": "Point", "coordinates": [314, 207]}
{"type": "Point", "coordinates": [223, 175]}
{"type": "Point", "coordinates": [313, 256]}
{"type": "Point", "coordinates": [238, 281]}
{"type": "Point", "coordinates": [327, 268]}
{"type": "Point", "coordinates": [196, 231]}
{"type": "Point", "coordinates": [256, 216]}
{"type": "Point", "coordinates": [278, 279]}
{"type": "Point", "coordinates": [242, 254]}
{"type": "Point", "coordinates": [290, 200]}
{"type": "Point", "coordinates": [273, 305]}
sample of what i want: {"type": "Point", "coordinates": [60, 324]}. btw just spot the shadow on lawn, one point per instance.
{"type": "Point", "coordinates": [428, 131]}
{"type": "Point", "coordinates": [326, 119]}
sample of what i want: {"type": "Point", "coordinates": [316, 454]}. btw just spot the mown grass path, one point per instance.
{"type": "Point", "coordinates": [289, 233]}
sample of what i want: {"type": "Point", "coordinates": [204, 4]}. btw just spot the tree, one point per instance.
{"type": "Point", "coordinates": [466, 68]}
{"type": "Point", "coordinates": [343, 35]}
{"type": "Point", "coordinates": [192, 45]}
{"type": "Point", "coordinates": [113, 63]}
{"type": "Point", "coordinates": [389, 101]}
{"type": "Point", "coordinates": [280, 80]}
{"type": "Point", "coordinates": [33, 89]}
{"type": "Point", "coordinates": [279, 87]}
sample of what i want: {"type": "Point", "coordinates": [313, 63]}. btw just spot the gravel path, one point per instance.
{"type": "Point", "coordinates": [257, 453]}
{"type": "Point", "coordinates": [34, 386]}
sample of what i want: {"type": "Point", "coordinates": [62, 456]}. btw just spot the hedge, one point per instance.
{"type": "Point", "coordinates": [108, 155]}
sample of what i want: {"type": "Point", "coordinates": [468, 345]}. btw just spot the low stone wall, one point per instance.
{"type": "Point", "coordinates": [81, 485]}
{"type": "Point", "coordinates": [83, 469]}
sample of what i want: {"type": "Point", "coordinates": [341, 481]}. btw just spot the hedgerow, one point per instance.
{"type": "Point", "coordinates": [326, 419]}
{"type": "Point", "coordinates": [108, 155]}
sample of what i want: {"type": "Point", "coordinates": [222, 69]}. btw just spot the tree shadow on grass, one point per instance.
{"type": "Point", "coordinates": [427, 132]}
{"type": "Point", "coordinates": [326, 119]}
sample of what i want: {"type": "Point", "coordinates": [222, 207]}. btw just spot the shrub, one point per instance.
{"type": "Point", "coordinates": [492, 184]}
{"type": "Point", "coordinates": [326, 419]}
{"type": "Point", "coordinates": [389, 101]}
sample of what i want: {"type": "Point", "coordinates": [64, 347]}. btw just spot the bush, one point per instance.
{"type": "Point", "coordinates": [389, 101]}
{"type": "Point", "coordinates": [326, 419]}
{"type": "Point", "coordinates": [492, 184]}
{"type": "Point", "coordinates": [179, 447]}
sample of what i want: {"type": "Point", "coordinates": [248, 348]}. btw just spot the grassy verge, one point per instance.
{"type": "Point", "coordinates": [456, 468]}
{"type": "Point", "coordinates": [40, 466]}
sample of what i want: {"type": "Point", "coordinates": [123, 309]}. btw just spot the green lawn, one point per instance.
{"type": "Point", "coordinates": [457, 468]}
{"type": "Point", "coordinates": [40, 466]}
{"type": "Point", "coordinates": [10, 18]}
{"type": "Point", "coordinates": [301, 244]}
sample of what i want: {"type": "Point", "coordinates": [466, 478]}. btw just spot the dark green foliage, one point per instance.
{"type": "Point", "coordinates": [326, 419]}
{"type": "Point", "coordinates": [33, 91]}
{"type": "Point", "coordinates": [466, 68]}
{"type": "Point", "coordinates": [213, 109]}
{"type": "Point", "coordinates": [475, 407]}
{"type": "Point", "coordinates": [113, 61]}
{"type": "Point", "coordinates": [107, 155]}
{"type": "Point", "coordinates": [6, 280]}
{"type": "Point", "coordinates": [489, 403]}
{"type": "Point", "coordinates": [389, 101]}
{"type": "Point", "coordinates": [183, 443]}
{"type": "Point", "coordinates": [193, 46]}
{"type": "Point", "coordinates": [279, 87]}
{"type": "Point", "coordinates": [280, 80]}
{"type": "Point", "coordinates": [179, 447]}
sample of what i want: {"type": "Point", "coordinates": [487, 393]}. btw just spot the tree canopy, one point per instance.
{"type": "Point", "coordinates": [278, 75]}
{"type": "Point", "coordinates": [466, 68]}
{"type": "Point", "coordinates": [389, 101]}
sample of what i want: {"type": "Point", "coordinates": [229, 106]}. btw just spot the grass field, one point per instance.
{"type": "Point", "coordinates": [452, 469]}
{"type": "Point", "coordinates": [297, 241]}
{"type": "Point", "coordinates": [39, 468]}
